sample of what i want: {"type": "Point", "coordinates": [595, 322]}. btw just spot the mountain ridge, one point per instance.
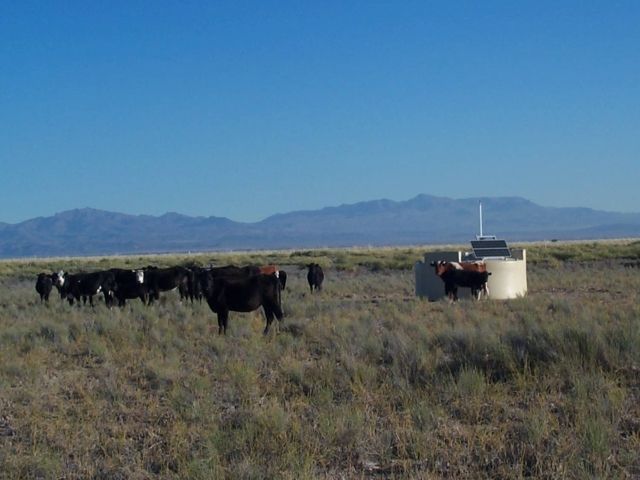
{"type": "Point", "coordinates": [423, 219]}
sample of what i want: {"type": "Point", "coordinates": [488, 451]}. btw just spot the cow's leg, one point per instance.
{"type": "Point", "coordinates": [452, 292]}
{"type": "Point", "coordinates": [223, 318]}
{"type": "Point", "coordinates": [448, 291]}
{"type": "Point", "coordinates": [278, 312]}
{"type": "Point", "coordinates": [268, 315]}
{"type": "Point", "coordinates": [226, 321]}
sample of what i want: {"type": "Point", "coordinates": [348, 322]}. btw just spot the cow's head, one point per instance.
{"type": "Point", "coordinates": [440, 267]}
{"type": "Point", "coordinates": [140, 276]}
{"type": "Point", "coordinates": [59, 278]}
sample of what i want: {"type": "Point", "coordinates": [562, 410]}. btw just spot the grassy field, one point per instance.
{"type": "Point", "coordinates": [361, 381]}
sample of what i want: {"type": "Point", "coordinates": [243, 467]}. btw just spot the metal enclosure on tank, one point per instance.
{"type": "Point", "coordinates": [508, 277]}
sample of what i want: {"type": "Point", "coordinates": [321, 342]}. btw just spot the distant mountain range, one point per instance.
{"type": "Point", "coordinates": [424, 219]}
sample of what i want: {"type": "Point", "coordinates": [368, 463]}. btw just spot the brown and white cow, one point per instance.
{"type": "Point", "coordinates": [475, 266]}
{"type": "Point", "coordinates": [472, 275]}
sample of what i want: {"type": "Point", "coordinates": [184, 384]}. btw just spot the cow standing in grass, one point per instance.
{"type": "Point", "coordinates": [165, 279]}
{"type": "Point", "coordinates": [206, 276]}
{"type": "Point", "coordinates": [44, 284]}
{"type": "Point", "coordinates": [315, 277]}
{"type": "Point", "coordinates": [130, 284]}
{"type": "Point", "coordinates": [275, 270]}
{"type": "Point", "coordinates": [471, 275]}
{"type": "Point", "coordinates": [226, 295]}
{"type": "Point", "coordinates": [84, 286]}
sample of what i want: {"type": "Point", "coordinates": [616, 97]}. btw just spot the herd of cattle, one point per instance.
{"type": "Point", "coordinates": [229, 288]}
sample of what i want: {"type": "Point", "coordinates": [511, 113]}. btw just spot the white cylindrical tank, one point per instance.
{"type": "Point", "coordinates": [508, 277]}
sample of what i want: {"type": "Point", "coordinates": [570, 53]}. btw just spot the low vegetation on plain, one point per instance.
{"type": "Point", "coordinates": [361, 380]}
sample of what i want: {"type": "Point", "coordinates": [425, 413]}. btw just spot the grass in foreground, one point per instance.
{"type": "Point", "coordinates": [363, 380]}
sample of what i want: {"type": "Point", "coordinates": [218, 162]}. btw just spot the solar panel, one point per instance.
{"type": "Point", "coordinates": [490, 248]}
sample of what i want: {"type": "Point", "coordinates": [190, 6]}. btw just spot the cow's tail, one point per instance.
{"type": "Point", "coordinates": [279, 295]}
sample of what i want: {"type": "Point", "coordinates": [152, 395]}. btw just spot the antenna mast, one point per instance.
{"type": "Point", "coordinates": [480, 205]}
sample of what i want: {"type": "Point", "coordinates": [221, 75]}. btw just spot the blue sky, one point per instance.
{"type": "Point", "coordinates": [244, 109]}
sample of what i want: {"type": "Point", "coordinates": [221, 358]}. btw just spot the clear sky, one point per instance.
{"type": "Point", "coordinates": [244, 109]}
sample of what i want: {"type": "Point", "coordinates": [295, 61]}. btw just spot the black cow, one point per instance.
{"type": "Point", "coordinates": [315, 276]}
{"type": "Point", "coordinates": [244, 295]}
{"type": "Point", "coordinates": [90, 284]}
{"type": "Point", "coordinates": [190, 289]}
{"type": "Point", "coordinates": [274, 269]}
{"type": "Point", "coordinates": [63, 281]}
{"type": "Point", "coordinates": [476, 281]}
{"type": "Point", "coordinates": [44, 284]}
{"type": "Point", "coordinates": [86, 285]}
{"type": "Point", "coordinates": [164, 279]}
{"type": "Point", "coordinates": [282, 276]}
{"type": "Point", "coordinates": [204, 276]}
{"type": "Point", "coordinates": [130, 284]}
{"type": "Point", "coordinates": [58, 279]}
{"type": "Point", "coordinates": [232, 270]}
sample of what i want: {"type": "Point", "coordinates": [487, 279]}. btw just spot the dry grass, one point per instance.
{"type": "Point", "coordinates": [363, 380]}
